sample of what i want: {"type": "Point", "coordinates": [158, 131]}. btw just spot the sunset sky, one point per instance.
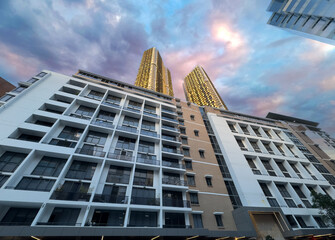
{"type": "Point", "coordinates": [256, 67]}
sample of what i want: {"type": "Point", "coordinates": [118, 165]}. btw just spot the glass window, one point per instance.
{"type": "Point", "coordinates": [188, 164]}
{"type": "Point", "coordinates": [102, 217]}
{"type": "Point", "coordinates": [209, 181]}
{"type": "Point", "coordinates": [95, 95]}
{"type": "Point", "coordinates": [6, 98]}
{"type": "Point", "coordinates": [126, 143]}
{"type": "Point", "coordinates": [30, 138]}
{"type": "Point", "coordinates": [19, 216]}
{"type": "Point", "coordinates": [64, 216]}
{"type": "Point", "coordinates": [196, 133]}
{"type": "Point", "coordinates": [283, 191]}
{"type": "Point", "coordinates": [81, 170]}
{"type": "Point", "coordinates": [186, 152]}
{"type": "Point", "coordinates": [71, 133]}
{"type": "Point", "coordinates": [113, 99]}
{"type": "Point", "coordinates": [118, 174]}
{"type": "Point", "coordinates": [108, 116]}
{"type": "Point", "coordinates": [143, 219]}
{"type": "Point", "coordinates": [148, 125]}
{"type": "Point", "coordinates": [41, 74]}
{"type": "Point", "coordinates": [265, 189]}
{"type": "Point", "coordinates": [134, 104]}
{"type": "Point", "coordinates": [320, 222]}
{"type": "Point", "coordinates": [184, 140]}
{"type": "Point", "coordinates": [194, 198]}
{"type": "Point", "coordinates": [291, 221]}
{"type": "Point", "coordinates": [86, 111]}
{"type": "Point", "coordinates": [35, 184]}
{"type": "Point", "coordinates": [96, 138]}
{"type": "Point", "coordinates": [143, 177]}
{"type": "Point", "coordinates": [240, 143]}
{"type": "Point", "coordinates": [218, 219]}
{"type": "Point", "coordinates": [9, 161]}
{"type": "Point", "coordinates": [273, 202]}
{"type": "Point", "coordinates": [146, 147]}
{"type": "Point", "coordinates": [197, 221]}
{"type": "Point", "coordinates": [182, 130]}
{"type": "Point", "coordinates": [49, 166]}
{"type": "Point", "coordinates": [3, 179]}
{"type": "Point", "coordinates": [130, 121]}
{"type": "Point", "coordinates": [192, 117]}
{"type": "Point", "coordinates": [191, 180]}
{"type": "Point", "coordinates": [19, 89]}
{"type": "Point", "coordinates": [202, 153]}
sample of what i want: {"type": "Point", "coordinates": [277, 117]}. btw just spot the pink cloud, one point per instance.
{"type": "Point", "coordinates": [261, 106]}
{"type": "Point", "coordinates": [328, 84]}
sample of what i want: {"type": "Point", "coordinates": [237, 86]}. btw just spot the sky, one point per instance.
{"type": "Point", "coordinates": [257, 68]}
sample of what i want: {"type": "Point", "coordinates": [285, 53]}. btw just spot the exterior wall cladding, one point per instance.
{"type": "Point", "coordinates": [89, 156]}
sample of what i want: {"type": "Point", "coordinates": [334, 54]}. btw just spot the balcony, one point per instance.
{"type": "Point", "coordinates": [174, 181]}
{"type": "Point", "coordinates": [107, 198]}
{"type": "Point", "coordinates": [110, 103]}
{"type": "Point", "coordinates": [170, 128]}
{"type": "Point", "coordinates": [176, 226]}
{"type": "Point", "coordinates": [169, 111]}
{"type": "Point", "coordinates": [122, 157]}
{"type": "Point", "coordinates": [170, 119]}
{"type": "Point", "coordinates": [59, 224]}
{"type": "Point", "coordinates": [149, 133]}
{"type": "Point", "coordinates": [168, 202]}
{"type": "Point", "coordinates": [80, 116]}
{"type": "Point", "coordinates": [62, 143]}
{"type": "Point", "coordinates": [71, 196]}
{"type": "Point", "coordinates": [173, 164]}
{"type": "Point", "coordinates": [91, 152]}
{"type": "Point", "coordinates": [103, 123]}
{"type": "Point", "coordinates": [170, 138]}
{"type": "Point", "coordinates": [171, 150]}
{"type": "Point", "coordinates": [133, 109]}
{"type": "Point", "coordinates": [149, 113]}
{"type": "Point", "coordinates": [145, 201]}
{"type": "Point", "coordinates": [131, 129]}
{"type": "Point", "coordinates": [148, 161]}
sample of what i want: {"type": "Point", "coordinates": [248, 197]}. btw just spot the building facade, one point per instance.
{"type": "Point", "coordinates": [152, 74]}
{"type": "Point", "coordinates": [5, 86]}
{"type": "Point", "coordinates": [87, 157]}
{"type": "Point", "coordinates": [309, 18]}
{"type": "Point", "coordinates": [200, 90]}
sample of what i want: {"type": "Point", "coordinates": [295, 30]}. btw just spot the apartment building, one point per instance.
{"type": "Point", "coordinates": [5, 86]}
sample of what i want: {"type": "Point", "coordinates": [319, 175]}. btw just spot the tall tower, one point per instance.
{"type": "Point", "coordinates": [200, 90]}
{"type": "Point", "coordinates": [152, 73]}
{"type": "Point", "coordinates": [308, 18]}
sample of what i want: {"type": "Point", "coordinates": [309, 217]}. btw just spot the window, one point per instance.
{"type": "Point", "coordinates": [95, 95]}
{"type": "Point", "coordinates": [3, 179]}
{"type": "Point", "coordinates": [294, 167]}
{"type": "Point", "coordinates": [113, 194]}
{"type": "Point", "coordinates": [144, 196]}
{"type": "Point", "coordinates": [320, 222]}
{"type": "Point", "coordinates": [9, 161]}
{"type": "Point", "coordinates": [35, 184]}
{"type": "Point", "coordinates": [71, 133]}
{"type": "Point", "coordinates": [191, 180]}
{"type": "Point", "coordinates": [265, 189]}
{"type": "Point", "coordinates": [96, 138]}
{"type": "Point", "coordinates": [218, 219]}
{"type": "Point", "coordinates": [268, 133]}
{"type": "Point", "coordinates": [255, 146]}
{"type": "Point", "coordinates": [291, 221]}
{"type": "Point", "coordinates": [252, 165]}
{"type": "Point", "coordinates": [182, 130]}
{"type": "Point", "coordinates": [126, 143]}
{"type": "Point", "coordinates": [43, 123]}
{"type": "Point", "coordinates": [19, 89]}
{"type": "Point", "coordinates": [64, 216]}
{"type": "Point", "coordinates": [196, 133]}
{"type": "Point", "coordinates": [202, 153]}
{"type": "Point", "coordinates": [232, 128]}
{"type": "Point", "coordinates": [283, 191]}
{"type": "Point", "coordinates": [269, 168]}
{"type": "Point", "coordinates": [151, 109]}
{"type": "Point", "coordinates": [188, 164]}
{"type": "Point", "coordinates": [118, 174]}
{"type": "Point", "coordinates": [256, 130]}
{"type": "Point", "coordinates": [41, 74]}
{"type": "Point", "coordinates": [143, 177]}
{"type": "Point", "coordinates": [113, 99]}
{"type": "Point", "coordinates": [133, 104]}
{"type": "Point", "coordinates": [102, 217]}
{"type": "Point", "coordinates": [19, 216]}
{"type": "Point", "coordinates": [32, 80]}
{"type": "Point", "coordinates": [301, 222]}
{"type": "Point", "coordinates": [268, 148]}
{"type": "Point", "coordinates": [81, 170]}
{"type": "Point", "coordinates": [130, 121]}
{"type": "Point", "coordinates": [194, 198]}
{"type": "Point", "coordinates": [85, 111]}
{"type": "Point", "coordinates": [283, 169]}
{"type": "Point", "coordinates": [245, 129]}
{"type": "Point", "coordinates": [181, 121]}
{"type": "Point", "coordinates": [29, 137]}
{"type": "Point", "coordinates": [49, 166]}
{"type": "Point", "coordinates": [184, 140]}
{"type": "Point", "coordinates": [197, 221]}
{"type": "Point", "coordinates": [186, 152]}
{"type": "Point", "coordinates": [143, 219]}
{"type": "Point", "coordinates": [107, 116]}
{"type": "Point", "coordinates": [146, 147]}
{"type": "Point", "coordinates": [6, 98]}
{"type": "Point", "coordinates": [192, 117]}
{"type": "Point", "coordinates": [148, 125]}
{"type": "Point", "coordinates": [240, 143]}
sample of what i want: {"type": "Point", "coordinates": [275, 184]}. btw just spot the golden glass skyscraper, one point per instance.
{"type": "Point", "coordinates": [152, 73]}
{"type": "Point", "coordinates": [200, 90]}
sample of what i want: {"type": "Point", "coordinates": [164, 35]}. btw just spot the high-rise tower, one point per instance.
{"type": "Point", "coordinates": [308, 18]}
{"type": "Point", "coordinates": [200, 90]}
{"type": "Point", "coordinates": [152, 73]}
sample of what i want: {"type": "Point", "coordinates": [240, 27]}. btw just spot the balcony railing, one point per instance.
{"type": "Point", "coordinates": [143, 181]}
{"type": "Point", "coordinates": [91, 152]}
{"type": "Point", "coordinates": [59, 223]}
{"type": "Point", "coordinates": [149, 133]}
{"type": "Point", "coordinates": [127, 129]}
{"type": "Point", "coordinates": [105, 224]}
{"type": "Point", "coordinates": [173, 164]}
{"type": "Point", "coordinates": [171, 150]}
{"type": "Point", "coordinates": [176, 226]}
{"type": "Point", "coordinates": [170, 119]}
{"type": "Point", "coordinates": [80, 116]}
{"type": "Point", "coordinates": [170, 138]}
{"type": "Point", "coordinates": [145, 201]}
{"type": "Point", "coordinates": [15, 223]}
{"type": "Point", "coordinates": [112, 103]}
{"type": "Point", "coordinates": [118, 179]}
{"type": "Point", "coordinates": [172, 181]}
{"type": "Point", "coordinates": [148, 113]}
{"type": "Point", "coordinates": [168, 111]}
{"type": "Point", "coordinates": [168, 202]}
{"type": "Point", "coordinates": [71, 196]}
{"type": "Point", "coordinates": [107, 198]}
{"type": "Point", "coordinates": [63, 142]}
{"type": "Point", "coordinates": [120, 157]}
{"type": "Point", "coordinates": [103, 123]}
{"type": "Point", "coordinates": [169, 128]}
{"type": "Point", "coordinates": [148, 161]}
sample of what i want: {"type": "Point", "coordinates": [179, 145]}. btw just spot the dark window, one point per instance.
{"type": "Point", "coordinates": [118, 174]}
{"type": "Point", "coordinates": [191, 180]}
{"type": "Point", "coordinates": [282, 190]}
{"type": "Point", "coordinates": [232, 128]}
{"type": "Point", "coordinates": [256, 130]}
{"type": "Point", "coordinates": [126, 143]}
{"type": "Point", "coordinates": [19, 89]}
{"type": "Point", "coordinates": [188, 164]}
{"type": "Point", "coordinates": [320, 222]}
{"type": "Point", "coordinates": [32, 80]}
{"type": "Point", "coordinates": [108, 116]}
{"type": "Point", "coordinates": [6, 98]}
{"type": "Point", "coordinates": [148, 125]}
{"type": "Point", "coordinates": [197, 220]}
{"type": "Point", "coordinates": [19, 216]}
{"type": "Point", "coordinates": [283, 169]}
{"type": "Point", "coordinates": [146, 147]}
{"type": "Point", "coordinates": [182, 130]}
{"type": "Point", "coordinates": [269, 168]}
{"type": "Point", "coordinates": [49, 166]}
{"type": "Point", "coordinates": [143, 219]}
{"type": "Point", "coordinates": [184, 140]}
{"type": "Point", "coordinates": [71, 133]}
{"type": "Point", "coordinates": [133, 104]}
{"type": "Point", "coordinates": [143, 177]}
{"type": "Point", "coordinates": [196, 133]}
{"type": "Point", "coordinates": [245, 129]}
{"type": "Point", "coordinates": [113, 99]}
{"type": "Point", "coordinates": [95, 95]}
{"type": "Point", "coordinates": [81, 170]}
{"type": "Point", "coordinates": [85, 111]}
{"type": "Point", "coordinates": [291, 221]}
{"type": "Point", "coordinates": [64, 216]}
{"type": "Point", "coordinates": [102, 217]}
{"type": "Point", "coordinates": [273, 202]}
{"type": "Point", "coordinates": [186, 152]}
{"type": "Point", "coordinates": [265, 189]}
{"type": "Point", "coordinates": [35, 184]}
{"type": "Point", "coordinates": [41, 74]}
{"type": "Point", "coordinates": [321, 168]}
{"type": "Point", "coordinates": [9, 161]}
{"type": "Point", "coordinates": [240, 143]}
{"type": "Point", "coordinates": [298, 191]}
{"type": "Point", "coordinates": [290, 203]}
{"type": "Point", "coordinates": [209, 181]}
{"type": "Point", "coordinates": [30, 138]}
{"type": "Point", "coordinates": [218, 219]}
{"type": "Point", "coordinates": [3, 179]}
{"type": "Point", "coordinates": [44, 123]}
{"type": "Point", "coordinates": [301, 222]}
{"type": "Point", "coordinates": [202, 153]}
{"type": "Point", "coordinates": [96, 138]}
{"type": "Point", "coordinates": [114, 194]}
{"type": "Point", "coordinates": [192, 117]}
{"type": "Point", "coordinates": [194, 198]}
{"type": "Point", "coordinates": [130, 121]}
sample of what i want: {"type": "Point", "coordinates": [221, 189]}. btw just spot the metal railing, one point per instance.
{"type": "Point", "coordinates": [132, 109]}
{"type": "Point", "coordinates": [173, 164]}
{"type": "Point", "coordinates": [103, 123]}
{"type": "Point", "coordinates": [149, 133]}
{"type": "Point", "coordinates": [127, 129]}
{"type": "Point", "coordinates": [172, 181]}
{"type": "Point", "coordinates": [107, 198]}
{"type": "Point", "coordinates": [112, 104]}
{"type": "Point", "coordinates": [176, 226]}
{"type": "Point", "coordinates": [59, 223]}
{"type": "Point", "coordinates": [91, 152]}
{"type": "Point", "coordinates": [120, 157]}
{"type": "Point", "coordinates": [169, 128]}
{"type": "Point", "coordinates": [171, 150]}
{"type": "Point", "coordinates": [151, 114]}
{"type": "Point", "coordinates": [145, 201]}
{"type": "Point", "coordinates": [71, 196]}
{"type": "Point", "coordinates": [80, 116]}
{"type": "Point", "coordinates": [118, 179]}
{"type": "Point", "coordinates": [148, 161]}
{"type": "Point", "coordinates": [170, 138]}
{"type": "Point", "coordinates": [170, 119]}
{"type": "Point", "coordinates": [168, 202]}
{"type": "Point", "coordinates": [169, 111]}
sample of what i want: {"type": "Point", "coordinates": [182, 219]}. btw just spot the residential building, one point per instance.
{"type": "Point", "coordinates": [200, 90]}
{"type": "Point", "coordinates": [152, 74]}
{"type": "Point", "coordinates": [88, 156]}
{"type": "Point", "coordinates": [5, 86]}
{"type": "Point", "coordinates": [308, 18]}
